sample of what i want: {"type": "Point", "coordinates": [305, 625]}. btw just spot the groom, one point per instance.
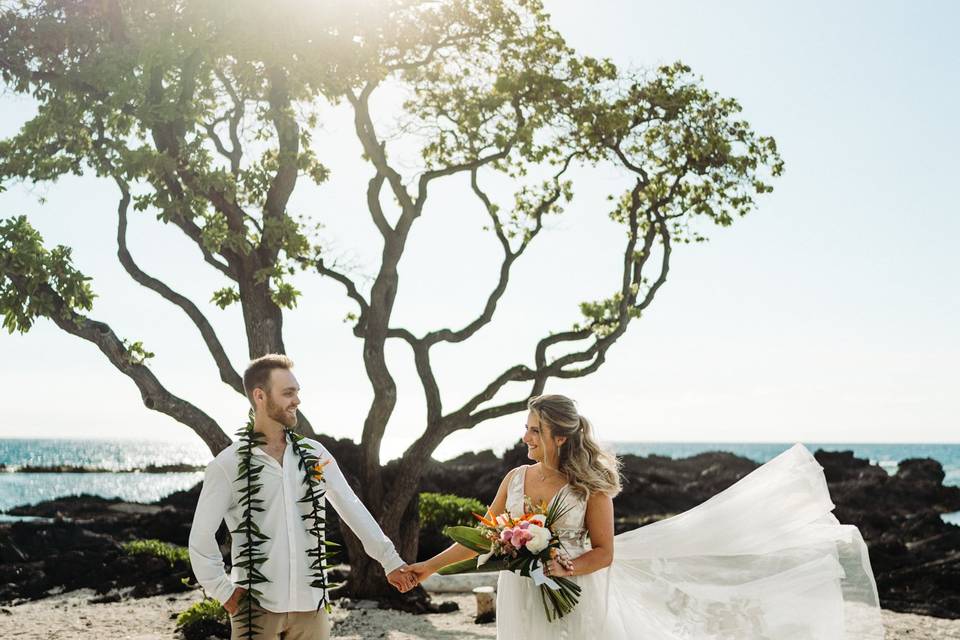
{"type": "Point", "coordinates": [288, 604]}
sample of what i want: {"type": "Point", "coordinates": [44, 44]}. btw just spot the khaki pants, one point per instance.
{"type": "Point", "coordinates": [294, 625]}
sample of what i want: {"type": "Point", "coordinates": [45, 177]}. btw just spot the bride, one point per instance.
{"type": "Point", "coordinates": [765, 558]}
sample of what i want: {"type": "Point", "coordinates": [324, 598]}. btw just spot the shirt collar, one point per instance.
{"type": "Point", "coordinates": [287, 450]}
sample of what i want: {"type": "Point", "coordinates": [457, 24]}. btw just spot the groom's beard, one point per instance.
{"type": "Point", "coordinates": [276, 412]}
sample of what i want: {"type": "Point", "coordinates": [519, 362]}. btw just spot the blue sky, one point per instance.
{"type": "Point", "coordinates": [829, 314]}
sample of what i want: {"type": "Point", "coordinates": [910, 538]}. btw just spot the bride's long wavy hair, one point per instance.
{"type": "Point", "coordinates": [589, 468]}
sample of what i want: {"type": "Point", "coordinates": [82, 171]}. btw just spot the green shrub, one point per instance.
{"type": "Point", "coordinates": [169, 552]}
{"type": "Point", "coordinates": [204, 619]}
{"type": "Point", "coordinates": [439, 510]}
{"type": "Point", "coordinates": [206, 609]}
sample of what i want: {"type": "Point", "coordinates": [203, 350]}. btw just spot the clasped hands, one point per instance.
{"type": "Point", "coordinates": [402, 578]}
{"type": "Point", "coordinates": [408, 576]}
{"type": "Point", "coordinates": [559, 565]}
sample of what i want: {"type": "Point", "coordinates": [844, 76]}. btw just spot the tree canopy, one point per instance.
{"type": "Point", "coordinates": [204, 114]}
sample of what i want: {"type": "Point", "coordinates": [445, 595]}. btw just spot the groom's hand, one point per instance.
{"type": "Point", "coordinates": [402, 579]}
{"type": "Point", "coordinates": [233, 603]}
{"type": "Point", "coordinates": [421, 570]}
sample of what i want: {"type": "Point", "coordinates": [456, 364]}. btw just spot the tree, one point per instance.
{"type": "Point", "coordinates": [202, 113]}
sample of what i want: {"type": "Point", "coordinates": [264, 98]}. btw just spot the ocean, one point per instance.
{"type": "Point", "coordinates": [116, 456]}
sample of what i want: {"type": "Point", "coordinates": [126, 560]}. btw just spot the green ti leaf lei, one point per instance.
{"type": "Point", "coordinates": [312, 468]}
{"type": "Point", "coordinates": [251, 555]}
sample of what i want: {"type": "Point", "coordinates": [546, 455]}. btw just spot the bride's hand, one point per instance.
{"type": "Point", "coordinates": [559, 566]}
{"type": "Point", "coordinates": [421, 570]}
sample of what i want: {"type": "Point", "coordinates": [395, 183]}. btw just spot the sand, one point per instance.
{"type": "Point", "coordinates": [70, 615]}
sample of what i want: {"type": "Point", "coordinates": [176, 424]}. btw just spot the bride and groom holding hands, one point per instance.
{"type": "Point", "coordinates": [765, 558]}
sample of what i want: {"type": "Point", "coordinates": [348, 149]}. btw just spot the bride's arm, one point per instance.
{"type": "Point", "coordinates": [599, 523]}
{"type": "Point", "coordinates": [457, 552]}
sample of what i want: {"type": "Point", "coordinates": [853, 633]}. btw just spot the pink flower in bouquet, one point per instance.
{"type": "Point", "coordinates": [517, 536]}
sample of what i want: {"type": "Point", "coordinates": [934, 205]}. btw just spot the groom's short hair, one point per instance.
{"type": "Point", "coordinates": [257, 374]}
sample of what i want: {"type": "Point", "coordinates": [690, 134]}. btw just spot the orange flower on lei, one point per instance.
{"type": "Point", "coordinates": [317, 470]}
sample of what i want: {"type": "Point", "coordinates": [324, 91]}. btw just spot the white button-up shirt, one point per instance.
{"type": "Point", "coordinates": [287, 565]}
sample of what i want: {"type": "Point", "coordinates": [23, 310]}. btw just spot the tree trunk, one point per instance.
{"type": "Point", "coordinates": [367, 578]}
{"type": "Point", "coordinates": [262, 318]}
{"type": "Point", "coordinates": [405, 482]}
{"type": "Point", "coordinates": [399, 517]}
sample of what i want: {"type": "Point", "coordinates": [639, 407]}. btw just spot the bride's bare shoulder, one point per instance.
{"type": "Point", "coordinates": [513, 472]}
{"type": "Point", "coordinates": [510, 476]}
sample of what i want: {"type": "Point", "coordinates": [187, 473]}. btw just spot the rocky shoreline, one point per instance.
{"type": "Point", "coordinates": [77, 542]}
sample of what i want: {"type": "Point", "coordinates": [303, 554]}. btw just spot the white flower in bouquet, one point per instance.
{"type": "Point", "coordinates": [539, 538]}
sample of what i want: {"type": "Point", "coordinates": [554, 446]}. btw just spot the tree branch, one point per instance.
{"type": "Point", "coordinates": [509, 257]}
{"type": "Point", "coordinates": [467, 415]}
{"type": "Point", "coordinates": [288, 141]}
{"type": "Point", "coordinates": [168, 137]}
{"type": "Point", "coordinates": [431, 390]}
{"type": "Point", "coordinates": [320, 265]}
{"type": "Point", "coordinates": [628, 164]}
{"type": "Point", "coordinates": [498, 411]}
{"type": "Point", "coordinates": [446, 41]}
{"type": "Point", "coordinates": [211, 128]}
{"type": "Point", "coordinates": [667, 245]}
{"type": "Point", "coordinates": [374, 148]}
{"type": "Point", "coordinates": [383, 293]}
{"type": "Point", "coordinates": [475, 164]}
{"type": "Point", "coordinates": [59, 80]}
{"type": "Point", "coordinates": [228, 374]}
{"type": "Point", "coordinates": [376, 209]}
{"type": "Point", "coordinates": [194, 232]}
{"type": "Point", "coordinates": [516, 373]}
{"type": "Point", "coordinates": [189, 228]}
{"type": "Point", "coordinates": [155, 395]}
{"type": "Point", "coordinates": [236, 115]}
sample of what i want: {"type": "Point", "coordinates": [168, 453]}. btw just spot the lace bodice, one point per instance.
{"type": "Point", "coordinates": [569, 527]}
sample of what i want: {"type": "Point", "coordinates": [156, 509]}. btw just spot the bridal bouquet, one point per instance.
{"type": "Point", "coordinates": [523, 545]}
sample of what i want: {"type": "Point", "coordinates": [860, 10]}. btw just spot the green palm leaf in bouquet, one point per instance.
{"type": "Point", "coordinates": [470, 537]}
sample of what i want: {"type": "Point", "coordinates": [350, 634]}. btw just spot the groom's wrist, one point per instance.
{"type": "Point", "coordinates": [223, 591]}
{"type": "Point", "coordinates": [393, 565]}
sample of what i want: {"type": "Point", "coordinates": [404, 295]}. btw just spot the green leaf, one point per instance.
{"type": "Point", "coordinates": [470, 537]}
{"type": "Point", "coordinates": [470, 566]}
{"type": "Point", "coordinates": [223, 298]}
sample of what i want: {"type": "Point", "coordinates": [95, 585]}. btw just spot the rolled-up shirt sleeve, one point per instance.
{"type": "Point", "coordinates": [205, 555]}
{"type": "Point", "coordinates": [375, 542]}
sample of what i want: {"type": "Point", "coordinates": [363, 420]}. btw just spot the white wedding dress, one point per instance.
{"type": "Point", "coordinates": [764, 559]}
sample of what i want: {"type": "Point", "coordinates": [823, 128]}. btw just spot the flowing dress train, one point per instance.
{"type": "Point", "coordinates": [763, 559]}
